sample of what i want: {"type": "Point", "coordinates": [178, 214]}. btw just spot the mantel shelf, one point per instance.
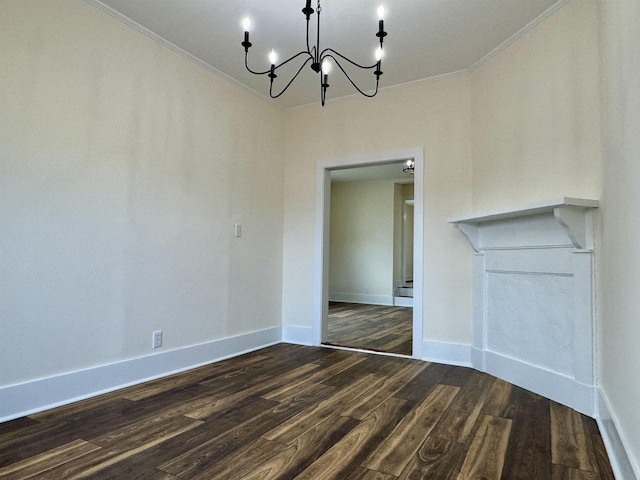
{"type": "Point", "coordinates": [546, 206]}
{"type": "Point", "coordinates": [573, 214]}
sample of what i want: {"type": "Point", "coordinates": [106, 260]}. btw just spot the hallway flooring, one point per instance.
{"type": "Point", "coordinates": [371, 327]}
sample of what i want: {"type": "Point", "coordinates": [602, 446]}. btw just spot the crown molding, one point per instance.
{"type": "Point", "coordinates": [398, 86]}
{"type": "Point", "coordinates": [519, 34]}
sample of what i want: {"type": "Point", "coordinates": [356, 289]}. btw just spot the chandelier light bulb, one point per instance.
{"type": "Point", "coordinates": [378, 54]}
{"type": "Point", "coordinates": [381, 12]}
{"type": "Point", "coordinates": [246, 24]}
{"type": "Point", "coordinates": [326, 66]}
{"type": "Point", "coordinates": [273, 57]}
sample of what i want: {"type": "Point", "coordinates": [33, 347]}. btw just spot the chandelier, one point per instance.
{"type": "Point", "coordinates": [409, 166]}
{"type": "Point", "coordinates": [319, 58]}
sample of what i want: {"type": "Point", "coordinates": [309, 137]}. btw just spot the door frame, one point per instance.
{"type": "Point", "coordinates": [321, 237]}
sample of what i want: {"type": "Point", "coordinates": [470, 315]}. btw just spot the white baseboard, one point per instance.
{"type": "Point", "coordinates": [402, 302]}
{"type": "Point", "coordinates": [553, 385]}
{"type": "Point", "coordinates": [386, 300]}
{"type": "Point", "coordinates": [443, 352]}
{"type": "Point", "coordinates": [297, 335]}
{"type": "Point", "coordinates": [42, 394]}
{"type": "Point", "coordinates": [621, 464]}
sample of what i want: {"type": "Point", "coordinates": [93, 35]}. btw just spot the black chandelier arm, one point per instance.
{"type": "Point", "coordinates": [331, 50]}
{"type": "Point", "coordinates": [309, 49]}
{"type": "Point", "coordinates": [290, 81]}
{"type": "Point", "coordinates": [370, 95]}
{"type": "Point", "coordinates": [246, 64]}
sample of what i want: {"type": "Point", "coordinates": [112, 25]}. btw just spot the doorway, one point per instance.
{"type": "Point", "coordinates": [322, 240]}
{"type": "Point", "coordinates": [371, 258]}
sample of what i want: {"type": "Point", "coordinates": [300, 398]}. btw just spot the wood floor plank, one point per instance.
{"type": "Point", "coordinates": [343, 457]}
{"type": "Point", "coordinates": [304, 450]}
{"type": "Point", "coordinates": [458, 422]}
{"type": "Point", "coordinates": [395, 452]}
{"type": "Point", "coordinates": [91, 464]}
{"type": "Point", "coordinates": [361, 473]}
{"type": "Point", "coordinates": [16, 427]}
{"type": "Point", "coordinates": [529, 450]}
{"type": "Point", "coordinates": [423, 383]}
{"type": "Point", "coordinates": [152, 430]}
{"type": "Point", "coordinates": [488, 449]}
{"type": "Point", "coordinates": [437, 459]}
{"type": "Point", "coordinates": [35, 440]}
{"type": "Point", "coordinates": [206, 455]}
{"type": "Point", "coordinates": [381, 391]}
{"type": "Point", "coordinates": [145, 462]}
{"type": "Point", "coordinates": [570, 445]}
{"type": "Point", "coordinates": [255, 386]}
{"type": "Point", "coordinates": [47, 461]}
{"type": "Point", "coordinates": [500, 400]}
{"type": "Point", "coordinates": [602, 459]}
{"type": "Point", "coordinates": [298, 425]}
{"type": "Point", "coordinates": [284, 392]}
{"type": "Point", "coordinates": [197, 375]}
{"type": "Point", "coordinates": [373, 364]}
{"type": "Point", "coordinates": [560, 472]}
{"type": "Point", "coordinates": [241, 462]}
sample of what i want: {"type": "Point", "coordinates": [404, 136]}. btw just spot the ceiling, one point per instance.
{"type": "Point", "coordinates": [426, 38]}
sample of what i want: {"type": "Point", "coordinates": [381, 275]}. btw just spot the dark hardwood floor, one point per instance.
{"type": "Point", "coordinates": [291, 411]}
{"type": "Point", "coordinates": [370, 327]}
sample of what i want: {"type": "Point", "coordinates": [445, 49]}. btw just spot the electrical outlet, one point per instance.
{"type": "Point", "coordinates": [157, 339]}
{"type": "Point", "coordinates": [237, 230]}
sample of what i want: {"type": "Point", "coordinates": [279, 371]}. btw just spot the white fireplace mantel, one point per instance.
{"type": "Point", "coordinates": [575, 216]}
{"type": "Point", "coordinates": [533, 297]}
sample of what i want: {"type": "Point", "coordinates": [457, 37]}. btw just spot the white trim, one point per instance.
{"type": "Point", "coordinates": [447, 353]}
{"type": "Point", "coordinates": [42, 394]}
{"type": "Point", "coordinates": [174, 48]}
{"type": "Point", "coordinates": [298, 335]}
{"type": "Point", "coordinates": [366, 298]}
{"type": "Point", "coordinates": [381, 90]}
{"type": "Point", "coordinates": [535, 208]}
{"type": "Point", "coordinates": [321, 237]}
{"type": "Point", "coordinates": [553, 385]}
{"type": "Point", "coordinates": [614, 441]}
{"type": "Point", "coordinates": [519, 34]}
{"type": "Point", "coordinates": [403, 301]}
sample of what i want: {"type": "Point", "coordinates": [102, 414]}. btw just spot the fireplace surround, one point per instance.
{"type": "Point", "coordinates": [534, 320]}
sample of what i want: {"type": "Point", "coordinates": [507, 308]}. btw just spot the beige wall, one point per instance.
{"type": "Point", "coordinates": [619, 275]}
{"type": "Point", "coordinates": [123, 169]}
{"type": "Point", "coordinates": [434, 115]}
{"type": "Point", "coordinates": [361, 238]}
{"type": "Point", "coordinates": [535, 122]}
